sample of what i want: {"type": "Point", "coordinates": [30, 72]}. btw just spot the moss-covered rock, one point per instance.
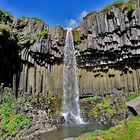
{"type": "Point", "coordinates": [109, 109]}
{"type": "Point", "coordinates": [44, 32]}
{"type": "Point", "coordinates": [117, 4]}
{"type": "Point", "coordinates": [76, 36]}
{"type": "Point", "coordinates": [128, 7]}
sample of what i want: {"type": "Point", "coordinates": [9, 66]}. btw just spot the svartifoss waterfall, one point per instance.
{"type": "Point", "coordinates": [70, 106]}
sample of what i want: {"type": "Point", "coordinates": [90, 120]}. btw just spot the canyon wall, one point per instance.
{"type": "Point", "coordinates": [31, 55]}
{"type": "Point", "coordinates": [41, 57]}
{"type": "Point", "coordinates": [107, 48]}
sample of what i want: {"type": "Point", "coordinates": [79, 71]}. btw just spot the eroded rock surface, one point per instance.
{"type": "Point", "coordinates": [108, 51]}
{"type": "Point", "coordinates": [107, 48]}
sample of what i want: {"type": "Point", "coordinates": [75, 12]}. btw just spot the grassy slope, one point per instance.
{"type": "Point", "coordinates": [124, 131]}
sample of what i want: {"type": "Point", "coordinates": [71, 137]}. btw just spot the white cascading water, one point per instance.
{"type": "Point", "coordinates": [70, 104]}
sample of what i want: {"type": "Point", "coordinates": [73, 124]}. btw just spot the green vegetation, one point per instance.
{"type": "Point", "coordinates": [76, 36]}
{"type": "Point", "coordinates": [131, 96]}
{"type": "Point", "coordinates": [124, 131]}
{"type": "Point", "coordinates": [37, 19]}
{"type": "Point", "coordinates": [6, 27]}
{"type": "Point", "coordinates": [44, 32]}
{"type": "Point", "coordinates": [109, 106]}
{"type": "Point", "coordinates": [128, 6]}
{"type": "Point", "coordinates": [6, 13]}
{"type": "Point", "coordinates": [117, 3]}
{"type": "Point", "coordinates": [121, 4]}
{"type": "Point", "coordinates": [33, 18]}
{"type": "Point", "coordinates": [46, 102]}
{"type": "Point", "coordinates": [10, 120]}
{"type": "Point", "coordinates": [104, 104]}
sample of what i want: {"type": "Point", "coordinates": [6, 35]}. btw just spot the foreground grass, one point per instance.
{"type": "Point", "coordinates": [124, 131]}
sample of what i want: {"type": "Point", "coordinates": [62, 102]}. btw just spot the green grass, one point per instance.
{"type": "Point", "coordinates": [117, 3]}
{"type": "Point", "coordinates": [121, 4]}
{"type": "Point", "coordinates": [124, 131]}
{"type": "Point", "coordinates": [33, 18]}
{"type": "Point", "coordinates": [37, 19]}
{"type": "Point", "coordinates": [132, 96]}
{"type": "Point", "coordinates": [10, 120]}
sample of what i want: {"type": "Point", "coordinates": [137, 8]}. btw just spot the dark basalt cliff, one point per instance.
{"type": "Point", "coordinates": [107, 44]}
{"type": "Point", "coordinates": [30, 52]}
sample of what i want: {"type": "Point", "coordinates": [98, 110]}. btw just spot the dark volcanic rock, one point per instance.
{"type": "Point", "coordinates": [107, 49]}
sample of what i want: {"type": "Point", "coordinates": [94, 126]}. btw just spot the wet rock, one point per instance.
{"type": "Point", "coordinates": [59, 120]}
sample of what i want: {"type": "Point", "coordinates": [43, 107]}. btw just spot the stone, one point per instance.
{"type": "Point", "coordinates": [134, 106]}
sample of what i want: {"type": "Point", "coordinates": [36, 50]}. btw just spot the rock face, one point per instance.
{"type": "Point", "coordinates": [41, 55]}
{"type": "Point", "coordinates": [33, 63]}
{"type": "Point", "coordinates": [108, 50]}
{"type": "Point", "coordinates": [108, 53]}
{"type": "Point", "coordinates": [134, 106]}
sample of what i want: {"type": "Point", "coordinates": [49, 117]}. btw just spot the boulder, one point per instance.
{"type": "Point", "coordinates": [134, 106]}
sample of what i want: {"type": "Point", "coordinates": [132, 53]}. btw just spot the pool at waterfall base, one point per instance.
{"type": "Point", "coordinates": [72, 131]}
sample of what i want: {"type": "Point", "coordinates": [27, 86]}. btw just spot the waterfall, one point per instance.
{"type": "Point", "coordinates": [70, 104]}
